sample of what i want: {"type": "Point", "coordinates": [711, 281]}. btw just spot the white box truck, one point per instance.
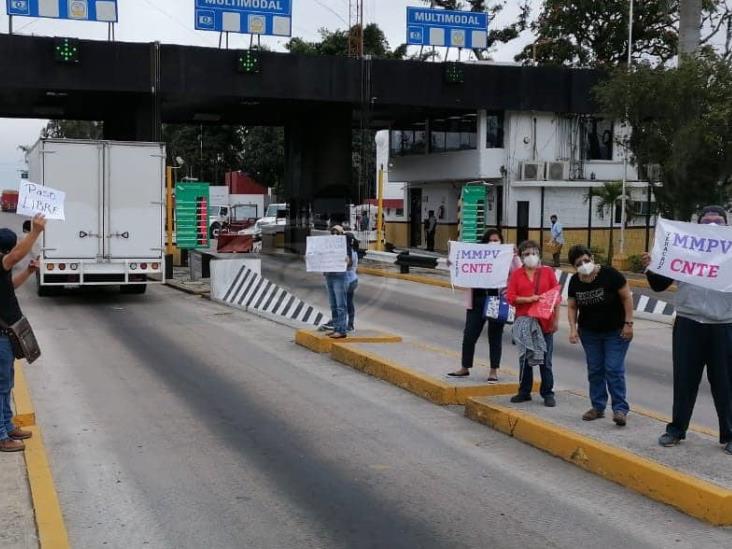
{"type": "Point", "coordinates": [113, 232]}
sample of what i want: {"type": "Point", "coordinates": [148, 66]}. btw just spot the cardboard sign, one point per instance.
{"type": "Point", "coordinates": [694, 253]}
{"type": "Point", "coordinates": [480, 265]}
{"type": "Point", "coordinates": [326, 254]}
{"type": "Point", "coordinates": [34, 199]}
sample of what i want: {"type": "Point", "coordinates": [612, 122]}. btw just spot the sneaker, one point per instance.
{"type": "Point", "coordinates": [520, 398]}
{"type": "Point", "coordinates": [619, 418]}
{"type": "Point", "coordinates": [550, 402]}
{"type": "Point", "coordinates": [668, 440]}
{"type": "Point", "coordinates": [326, 327]}
{"type": "Point", "coordinates": [592, 414]}
{"type": "Point", "coordinates": [19, 434]}
{"type": "Point", "coordinates": [10, 445]}
{"type": "Point", "coordinates": [728, 448]}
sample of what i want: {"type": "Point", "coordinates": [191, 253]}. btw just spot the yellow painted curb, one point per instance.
{"type": "Point", "coordinates": [410, 277]}
{"type": "Point", "coordinates": [321, 343]}
{"type": "Point", "coordinates": [24, 416]}
{"type": "Point", "coordinates": [696, 497]}
{"type": "Point", "coordinates": [49, 519]}
{"type": "Point", "coordinates": [413, 381]}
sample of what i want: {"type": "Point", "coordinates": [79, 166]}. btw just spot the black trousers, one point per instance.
{"type": "Point", "coordinates": [430, 241]}
{"type": "Point", "coordinates": [696, 345]}
{"type": "Point", "coordinates": [474, 322]}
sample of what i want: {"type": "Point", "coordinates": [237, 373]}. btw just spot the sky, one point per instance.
{"type": "Point", "coordinates": [171, 21]}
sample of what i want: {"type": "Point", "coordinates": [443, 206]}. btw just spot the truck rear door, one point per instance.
{"type": "Point", "coordinates": [134, 200]}
{"type": "Point", "coordinates": [76, 169]}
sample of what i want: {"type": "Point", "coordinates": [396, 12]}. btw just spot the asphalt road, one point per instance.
{"type": "Point", "coordinates": [437, 316]}
{"type": "Point", "coordinates": [173, 422]}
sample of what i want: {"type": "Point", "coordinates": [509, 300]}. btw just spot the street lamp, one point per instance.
{"type": "Point", "coordinates": [623, 199]}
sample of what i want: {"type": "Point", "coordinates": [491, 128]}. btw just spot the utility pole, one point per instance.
{"type": "Point", "coordinates": [355, 28]}
{"type": "Point", "coordinates": [689, 26]}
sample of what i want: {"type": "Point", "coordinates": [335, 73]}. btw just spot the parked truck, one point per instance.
{"type": "Point", "coordinates": [113, 231]}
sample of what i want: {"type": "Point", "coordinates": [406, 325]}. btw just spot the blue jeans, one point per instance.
{"type": "Point", "coordinates": [350, 306]}
{"type": "Point", "coordinates": [605, 352]}
{"type": "Point", "coordinates": [547, 376]}
{"type": "Point", "coordinates": [338, 295]}
{"type": "Point", "coordinates": [7, 379]}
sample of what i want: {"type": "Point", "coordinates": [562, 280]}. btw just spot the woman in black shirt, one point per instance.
{"type": "Point", "coordinates": [602, 299]}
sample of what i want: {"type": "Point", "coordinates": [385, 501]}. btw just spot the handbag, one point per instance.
{"type": "Point", "coordinates": [498, 309]}
{"type": "Point", "coordinates": [23, 340]}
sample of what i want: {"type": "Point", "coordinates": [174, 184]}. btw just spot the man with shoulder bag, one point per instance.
{"type": "Point", "coordinates": [12, 253]}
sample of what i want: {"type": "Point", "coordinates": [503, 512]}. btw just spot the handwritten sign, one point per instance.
{"type": "Point", "coordinates": [693, 253]}
{"type": "Point", "coordinates": [326, 254]}
{"type": "Point", "coordinates": [480, 265]}
{"type": "Point", "coordinates": [34, 199]}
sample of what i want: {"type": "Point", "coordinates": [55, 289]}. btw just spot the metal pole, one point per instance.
{"type": "Point", "coordinates": [590, 195]}
{"type": "Point", "coordinates": [380, 212]}
{"type": "Point", "coordinates": [10, 24]}
{"type": "Point", "coordinates": [169, 207]}
{"type": "Point", "coordinates": [623, 199]}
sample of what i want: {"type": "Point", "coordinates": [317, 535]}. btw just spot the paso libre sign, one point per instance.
{"type": "Point", "coordinates": [697, 254]}
{"type": "Point", "coordinates": [455, 29]}
{"type": "Point", "coordinates": [77, 10]}
{"type": "Point", "coordinates": [36, 199]}
{"type": "Point", "coordinates": [480, 265]}
{"type": "Point", "coordinates": [270, 17]}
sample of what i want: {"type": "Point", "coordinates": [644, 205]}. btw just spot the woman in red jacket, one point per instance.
{"type": "Point", "coordinates": [534, 337]}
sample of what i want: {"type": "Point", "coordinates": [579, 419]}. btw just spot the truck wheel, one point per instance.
{"type": "Point", "coordinates": [213, 232]}
{"type": "Point", "coordinates": [133, 289]}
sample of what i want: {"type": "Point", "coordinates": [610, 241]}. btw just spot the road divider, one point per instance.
{"type": "Point", "coordinates": [319, 342]}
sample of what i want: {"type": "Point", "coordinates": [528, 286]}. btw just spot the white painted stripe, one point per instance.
{"type": "Point", "coordinates": [278, 308]}
{"type": "Point", "coordinates": [244, 284]}
{"type": "Point", "coordinates": [272, 289]}
{"type": "Point", "coordinates": [253, 299]}
{"type": "Point", "coordinates": [278, 294]}
{"type": "Point", "coordinates": [244, 297]}
{"type": "Point", "coordinates": [295, 305]}
{"type": "Point", "coordinates": [660, 306]}
{"type": "Point", "coordinates": [642, 302]}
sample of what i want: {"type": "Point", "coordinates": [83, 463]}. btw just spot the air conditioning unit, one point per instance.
{"type": "Point", "coordinates": [557, 171]}
{"type": "Point", "coordinates": [532, 171]}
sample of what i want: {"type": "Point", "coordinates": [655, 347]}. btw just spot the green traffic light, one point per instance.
{"type": "Point", "coordinates": [248, 62]}
{"type": "Point", "coordinates": [66, 50]}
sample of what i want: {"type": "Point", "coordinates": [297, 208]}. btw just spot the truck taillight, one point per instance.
{"type": "Point", "coordinates": [62, 266]}
{"type": "Point", "coordinates": [74, 266]}
{"type": "Point", "coordinates": [50, 266]}
{"type": "Point", "coordinates": [143, 266]}
{"type": "Point", "coordinates": [133, 266]}
{"type": "Point", "coordinates": [155, 266]}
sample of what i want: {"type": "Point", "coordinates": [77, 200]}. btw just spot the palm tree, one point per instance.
{"type": "Point", "coordinates": [607, 197]}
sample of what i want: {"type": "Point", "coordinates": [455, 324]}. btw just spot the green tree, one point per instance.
{"type": "Point", "coordinates": [682, 122]}
{"type": "Point", "coordinates": [590, 33]}
{"type": "Point", "coordinates": [73, 129]}
{"type": "Point", "coordinates": [263, 155]}
{"type": "Point", "coordinates": [607, 198]}
{"type": "Point", "coordinates": [335, 42]}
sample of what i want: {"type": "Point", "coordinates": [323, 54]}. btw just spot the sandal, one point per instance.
{"type": "Point", "coordinates": [492, 379]}
{"type": "Point", "coordinates": [455, 374]}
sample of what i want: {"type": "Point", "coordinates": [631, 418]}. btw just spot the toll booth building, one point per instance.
{"type": "Point", "coordinates": [513, 170]}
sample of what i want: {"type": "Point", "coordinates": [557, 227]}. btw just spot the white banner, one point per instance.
{"type": "Point", "coordinates": [326, 254]}
{"type": "Point", "coordinates": [694, 253]}
{"type": "Point", "coordinates": [34, 199]}
{"type": "Point", "coordinates": [480, 265]}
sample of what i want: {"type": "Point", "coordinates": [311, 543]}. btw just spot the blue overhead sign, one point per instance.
{"type": "Point", "coordinates": [272, 17]}
{"type": "Point", "coordinates": [452, 29]}
{"type": "Point", "coordinates": [76, 10]}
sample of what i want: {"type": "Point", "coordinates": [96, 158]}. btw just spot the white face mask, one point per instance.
{"type": "Point", "coordinates": [531, 261]}
{"type": "Point", "coordinates": [586, 268]}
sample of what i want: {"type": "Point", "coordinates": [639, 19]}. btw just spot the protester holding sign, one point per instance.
{"type": "Point", "coordinates": [702, 334]}
{"type": "Point", "coordinates": [337, 282]}
{"type": "Point", "coordinates": [475, 317]}
{"type": "Point", "coordinates": [601, 297]}
{"type": "Point", "coordinates": [534, 336]}
{"type": "Point", "coordinates": [12, 253]}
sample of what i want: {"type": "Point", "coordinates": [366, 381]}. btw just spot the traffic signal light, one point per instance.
{"type": "Point", "coordinates": [66, 50]}
{"type": "Point", "coordinates": [249, 62]}
{"type": "Point", "coordinates": [454, 73]}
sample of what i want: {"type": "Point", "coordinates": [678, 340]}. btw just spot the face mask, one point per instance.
{"type": "Point", "coordinates": [586, 269]}
{"type": "Point", "coordinates": [531, 261]}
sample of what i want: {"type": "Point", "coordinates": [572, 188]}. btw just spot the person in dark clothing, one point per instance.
{"type": "Point", "coordinates": [600, 296]}
{"type": "Point", "coordinates": [12, 253]}
{"type": "Point", "coordinates": [430, 228]}
{"type": "Point", "coordinates": [702, 336]}
{"type": "Point", "coordinates": [475, 320]}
